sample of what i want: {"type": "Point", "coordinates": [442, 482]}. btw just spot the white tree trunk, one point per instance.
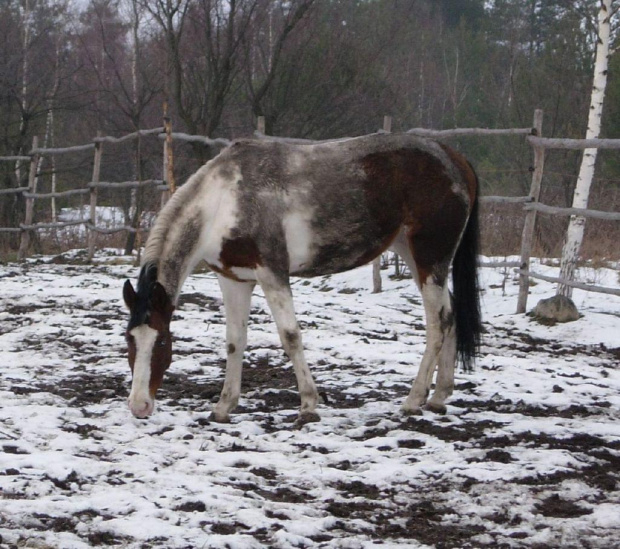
{"type": "Point", "coordinates": [26, 19]}
{"type": "Point", "coordinates": [135, 23]}
{"type": "Point", "coordinates": [49, 128]}
{"type": "Point", "coordinates": [574, 234]}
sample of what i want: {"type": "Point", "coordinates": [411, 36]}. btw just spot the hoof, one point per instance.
{"type": "Point", "coordinates": [219, 418]}
{"type": "Point", "coordinates": [307, 417]}
{"type": "Point", "coordinates": [436, 408]}
{"type": "Point", "coordinates": [417, 411]}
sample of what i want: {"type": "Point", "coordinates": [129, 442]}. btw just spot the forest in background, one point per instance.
{"type": "Point", "coordinates": [314, 69]}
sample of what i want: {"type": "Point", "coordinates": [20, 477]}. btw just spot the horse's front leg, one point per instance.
{"type": "Point", "coordinates": [280, 300]}
{"type": "Point", "coordinates": [237, 298]}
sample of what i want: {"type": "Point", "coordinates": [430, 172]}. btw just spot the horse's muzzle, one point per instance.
{"type": "Point", "coordinates": [141, 407]}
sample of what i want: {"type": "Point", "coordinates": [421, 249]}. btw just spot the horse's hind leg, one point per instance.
{"type": "Point", "coordinates": [280, 301]}
{"type": "Point", "coordinates": [237, 299]}
{"type": "Point", "coordinates": [432, 296]}
{"type": "Point", "coordinates": [440, 338]}
{"type": "Point", "coordinates": [447, 362]}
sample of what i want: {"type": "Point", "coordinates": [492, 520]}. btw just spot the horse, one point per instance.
{"type": "Point", "coordinates": [265, 210]}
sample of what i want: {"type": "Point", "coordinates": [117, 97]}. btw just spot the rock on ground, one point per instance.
{"type": "Point", "coordinates": [558, 308]}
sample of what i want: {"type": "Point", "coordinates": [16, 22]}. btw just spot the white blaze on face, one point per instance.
{"type": "Point", "coordinates": [141, 403]}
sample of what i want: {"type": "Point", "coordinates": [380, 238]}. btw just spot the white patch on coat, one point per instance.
{"type": "Point", "coordinates": [298, 234]}
{"type": "Point", "coordinates": [214, 198]}
{"type": "Point", "coordinates": [297, 160]}
{"type": "Point", "coordinates": [460, 190]}
{"type": "Point", "coordinates": [220, 205]}
{"type": "Point", "coordinates": [140, 400]}
{"type": "Point", "coordinates": [244, 274]}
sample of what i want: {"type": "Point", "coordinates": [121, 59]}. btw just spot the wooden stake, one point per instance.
{"type": "Point", "coordinates": [92, 234]}
{"type": "Point", "coordinates": [169, 173]}
{"type": "Point", "coordinates": [527, 237]}
{"type": "Point", "coordinates": [165, 194]}
{"type": "Point", "coordinates": [387, 124]}
{"type": "Point", "coordinates": [32, 189]}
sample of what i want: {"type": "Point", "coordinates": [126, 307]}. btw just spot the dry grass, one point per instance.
{"type": "Point", "coordinates": [501, 226]}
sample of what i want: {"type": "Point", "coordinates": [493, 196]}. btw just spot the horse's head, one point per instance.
{"type": "Point", "coordinates": [149, 340]}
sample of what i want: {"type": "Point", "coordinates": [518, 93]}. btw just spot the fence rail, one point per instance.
{"type": "Point", "coordinates": [573, 283]}
{"type": "Point", "coordinates": [57, 194]}
{"type": "Point", "coordinates": [506, 199]}
{"type": "Point", "coordinates": [129, 136]}
{"type": "Point", "coordinates": [62, 150]}
{"type": "Point", "coordinates": [459, 132]}
{"type": "Point", "coordinates": [499, 264]}
{"type": "Point", "coordinates": [531, 204]}
{"type": "Point", "coordinates": [573, 144]}
{"type": "Point", "coordinates": [218, 142]}
{"type": "Point", "coordinates": [55, 225]}
{"type": "Point", "coordinates": [581, 212]}
{"type": "Point", "coordinates": [125, 184]}
{"type": "Point", "coordinates": [16, 190]}
{"type": "Point", "coordinates": [14, 158]}
{"type": "Point", "coordinates": [111, 230]}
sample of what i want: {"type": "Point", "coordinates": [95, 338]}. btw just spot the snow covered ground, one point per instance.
{"type": "Point", "coordinates": [527, 456]}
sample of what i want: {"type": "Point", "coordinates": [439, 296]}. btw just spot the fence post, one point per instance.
{"type": "Point", "coordinates": [169, 151]}
{"type": "Point", "coordinates": [376, 264]}
{"type": "Point", "coordinates": [260, 124]}
{"type": "Point", "coordinates": [387, 124]}
{"type": "Point", "coordinates": [165, 194]}
{"type": "Point", "coordinates": [92, 233]}
{"type": "Point", "coordinates": [527, 237]}
{"type": "Point", "coordinates": [32, 189]}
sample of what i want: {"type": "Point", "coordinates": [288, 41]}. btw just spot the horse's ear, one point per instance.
{"type": "Point", "coordinates": [160, 300]}
{"type": "Point", "coordinates": [129, 295]}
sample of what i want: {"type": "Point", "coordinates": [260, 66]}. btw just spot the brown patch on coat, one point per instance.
{"type": "Point", "coordinates": [413, 188]}
{"type": "Point", "coordinates": [161, 356]}
{"type": "Point", "coordinates": [433, 245]}
{"type": "Point", "coordinates": [404, 185]}
{"type": "Point", "coordinates": [372, 253]}
{"type": "Point", "coordinates": [467, 172]}
{"type": "Point", "coordinates": [240, 252]}
{"type": "Point", "coordinates": [227, 273]}
{"type": "Point", "coordinates": [131, 350]}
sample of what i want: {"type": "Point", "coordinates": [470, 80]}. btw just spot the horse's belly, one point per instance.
{"type": "Point", "coordinates": [341, 255]}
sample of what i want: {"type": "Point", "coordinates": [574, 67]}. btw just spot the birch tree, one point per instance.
{"type": "Point", "coordinates": [25, 69]}
{"type": "Point", "coordinates": [574, 235]}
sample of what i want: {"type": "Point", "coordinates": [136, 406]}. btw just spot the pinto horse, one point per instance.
{"type": "Point", "coordinates": [263, 211]}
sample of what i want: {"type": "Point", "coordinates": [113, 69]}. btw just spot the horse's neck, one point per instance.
{"type": "Point", "coordinates": [172, 247]}
{"type": "Point", "coordinates": [173, 273]}
{"type": "Point", "coordinates": [175, 240]}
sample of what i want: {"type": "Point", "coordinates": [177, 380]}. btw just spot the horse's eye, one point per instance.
{"type": "Point", "coordinates": [161, 342]}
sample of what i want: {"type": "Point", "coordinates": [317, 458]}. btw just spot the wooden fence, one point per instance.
{"type": "Point", "coordinates": [531, 204]}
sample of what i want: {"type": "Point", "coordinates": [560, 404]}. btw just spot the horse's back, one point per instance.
{"type": "Point", "coordinates": [392, 163]}
{"type": "Point", "coordinates": [330, 207]}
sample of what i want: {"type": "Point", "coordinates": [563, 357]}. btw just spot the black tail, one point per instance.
{"type": "Point", "coordinates": [466, 303]}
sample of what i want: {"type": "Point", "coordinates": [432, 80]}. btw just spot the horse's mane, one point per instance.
{"type": "Point", "coordinates": [146, 280]}
{"type": "Point", "coordinates": [157, 236]}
